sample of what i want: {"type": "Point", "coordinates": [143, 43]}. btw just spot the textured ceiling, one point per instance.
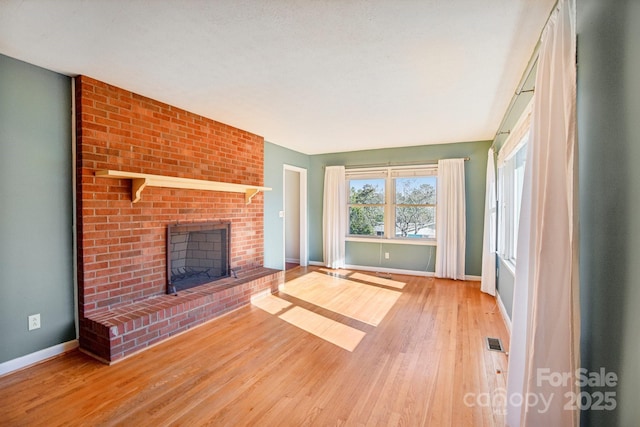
{"type": "Point", "coordinates": [315, 76]}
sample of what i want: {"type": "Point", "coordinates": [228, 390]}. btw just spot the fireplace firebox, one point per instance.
{"type": "Point", "coordinates": [197, 253]}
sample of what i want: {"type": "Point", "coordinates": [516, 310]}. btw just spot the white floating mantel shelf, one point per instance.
{"type": "Point", "coordinates": [139, 181]}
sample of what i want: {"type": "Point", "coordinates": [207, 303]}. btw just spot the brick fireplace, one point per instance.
{"type": "Point", "coordinates": [122, 256]}
{"type": "Point", "coordinates": [197, 253]}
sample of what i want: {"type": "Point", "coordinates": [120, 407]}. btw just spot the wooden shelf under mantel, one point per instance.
{"type": "Point", "coordinates": [139, 181]}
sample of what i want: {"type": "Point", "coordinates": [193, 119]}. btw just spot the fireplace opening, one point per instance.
{"type": "Point", "coordinates": [197, 253]}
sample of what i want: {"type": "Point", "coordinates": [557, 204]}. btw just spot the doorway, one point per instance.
{"type": "Point", "coordinates": [295, 216]}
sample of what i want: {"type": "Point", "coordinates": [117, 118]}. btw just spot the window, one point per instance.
{"type": "Point", "coordinates": [415, 207]}
{"type": "Point", "coordinates": [511, 163]}
{"type": "Point", "coordinates": [510, 180]}
{"type": "Point", "coordinates": [392, 203]}
{"type": "Point", "coordinates": [366, 207]}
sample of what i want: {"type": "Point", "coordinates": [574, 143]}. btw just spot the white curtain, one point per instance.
{"type": "Point", "coordinates": [488, 283]}
{"type": "Point", "coordinates": [334, 227]}
{"type": "Point", "coordinates": [545, 334]}
{"type": "Point", "coordinates": [451, 229]}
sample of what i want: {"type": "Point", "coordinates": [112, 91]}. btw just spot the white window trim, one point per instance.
{"type": "Point", "coordinates": [388, 173]}
{"type": "Point", "coordinates": [514, 140]}
{"type": "Point", "coordinates": [512, 145]}
{"type": "Point", "coordinates": [392, 240]}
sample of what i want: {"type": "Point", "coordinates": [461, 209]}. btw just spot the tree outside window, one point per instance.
{"type": "Point", "coordinates": [394, 203]}
{"type": "Point", "coordinates": [366, 207]}
{"type": "Point", "coordinates": [415, 207]}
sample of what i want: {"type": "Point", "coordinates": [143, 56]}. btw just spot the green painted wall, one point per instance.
{"type": "Point", "coordinates": [36, 256]}
{"type": "Point", "coordinates": [275, 157]}
{"type": "Point", "coordinates": [405, 257]}
{"type": "Point", "coordinates": [408, 257]}
{"type": "Point", "coordinates": [609, 168]}
{"type": "Point", "coordinates": [505, 285]}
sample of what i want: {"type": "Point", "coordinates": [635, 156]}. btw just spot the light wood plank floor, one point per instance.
{"type": "Point", "coordinates": [423, 361]}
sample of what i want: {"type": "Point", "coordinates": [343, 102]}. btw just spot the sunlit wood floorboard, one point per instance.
{"type": "Point", "coordinates": [334, 351]}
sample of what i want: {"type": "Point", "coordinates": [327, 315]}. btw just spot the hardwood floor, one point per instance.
{"type": "Point", "coordinates": [290, 265]}
{"type": "Point", "coordinates": [421, 362]}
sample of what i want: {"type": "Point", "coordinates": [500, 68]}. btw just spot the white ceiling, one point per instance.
{"type": "Point", "coordinates": [316, 76]}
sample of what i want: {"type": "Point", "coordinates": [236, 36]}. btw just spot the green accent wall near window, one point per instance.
{"type": "Point", "coordinates": [405, 257]}
{"type": "Point", "coordinates": [275, 157]}
{"type": "Point", "coordinates": [36, 253]}
{"type": "Point", "coordinates": [367, 254]}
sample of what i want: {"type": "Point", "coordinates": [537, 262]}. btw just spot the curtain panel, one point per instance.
{"type": "Point", "coordinates": [334, 224]}
{"type": "Point", "coordinates": [451, 229]}
{"type": "Point", "coordinates": [488, 283]}
{"type": "Point", "coordinates": [545, 326]}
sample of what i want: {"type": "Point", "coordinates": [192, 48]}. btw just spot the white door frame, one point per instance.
{"type": "Point", "coordinates": [304, 247]}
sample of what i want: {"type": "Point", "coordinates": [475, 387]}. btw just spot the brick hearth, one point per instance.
{"type": "Point", "coordinates": [122, 245]}
{"type": "Point", "coordinates": [119, 331]}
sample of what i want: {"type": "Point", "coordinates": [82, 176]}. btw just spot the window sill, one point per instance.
{"type": "Point", "coordinates": [511, 266]}
{"type": "Point", "coordinates": [416, 242]}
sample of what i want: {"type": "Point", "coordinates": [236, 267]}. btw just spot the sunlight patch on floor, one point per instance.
{"type": "Point", "coordinates": [368, 304]}
{"type": "Point", "coordinates": [351, 298]}
{"type": "Point", "coordinates": [271, 304]}
{"type": "Point", "coordinates": [329, 330]}
{"type": "Point", "coordinates": [336, 271]}
{"type": "Point", "coordinates": [378, 280]}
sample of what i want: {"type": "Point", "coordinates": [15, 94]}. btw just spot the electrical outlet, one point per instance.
{"type": "Point", "coordinates": [386, 255]}
{"type": "Point", "coordinates": [34, 321]}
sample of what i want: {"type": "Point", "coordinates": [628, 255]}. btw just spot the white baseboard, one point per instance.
{"type": "Point", "coordinates": [292, 260]}
{"type": "Point", "coordinates": [472, 278]}
{"type": "Point", "coordinates": [37, 357]}
{"type": "Point", "coordinates": [503, 312]}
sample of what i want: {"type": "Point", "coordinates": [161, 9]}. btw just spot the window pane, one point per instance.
{"type": "Point", "coordinates": [366, 191]}
{"type": "Point", "coordinates": [407, 210]}
{"type": "Point", "coordinates": [519, 163]}
{"type": "Point", "coordinates": [366, 220]}
{"type": "Point", "coordinates": [416, 222]}
{"type": "Point", "coordinates": [416, 191]}
{"type": "Point", "coordinates": [510, 183]}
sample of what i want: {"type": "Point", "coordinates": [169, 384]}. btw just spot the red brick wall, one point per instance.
{"type": "Point", "coordinates": [121, 245]}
